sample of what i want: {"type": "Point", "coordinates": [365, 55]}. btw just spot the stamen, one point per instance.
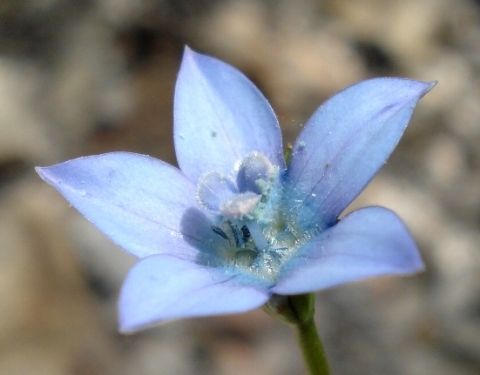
{"type": "Point", "coordinates": [220, 232]}
{"type": "Point", "coordinates": [246, 233]}
{"type": "Point", "coordinates": [234, 232]}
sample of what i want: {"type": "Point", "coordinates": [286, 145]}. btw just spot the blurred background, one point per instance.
{"type": "Point", "coordinates": [85, 77]}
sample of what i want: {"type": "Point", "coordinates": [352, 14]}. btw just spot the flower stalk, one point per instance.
{"type": "Point", "coordinates": [312, 348]}
{"type": "Point", "coordinates": [299, 310]}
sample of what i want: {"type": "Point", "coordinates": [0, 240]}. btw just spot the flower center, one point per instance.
{"type": "Point", "coordinates": [252, 232]}
{"type": "Point", "coordinates": [239, 248]}
{"type": "Point", "coordinates": [245, 247]}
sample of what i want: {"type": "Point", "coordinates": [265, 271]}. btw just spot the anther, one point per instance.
{"type": "Point", "coordinates": [245, 233]}
{"type": "Point", "coordinates": [235, 234]}
{"type": "Point", "coordinates": [220, 232]}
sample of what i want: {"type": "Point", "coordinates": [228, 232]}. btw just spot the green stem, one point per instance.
{"type": "Point", "coordinates": [312, 348]}
{"type": "Point", "coordinates": [299, 311]}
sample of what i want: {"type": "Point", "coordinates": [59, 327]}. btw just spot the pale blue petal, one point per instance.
{"type": "Point", "coordinates": [344, 144]}
{"type": "Point", "coordinates": [220, 117]}
{"type": "Point", "coordinates": [369, 242]}
{"type": "Point", "coordinates": [161, 288]}
{"type": "Point", "coordinates": [136, 200]}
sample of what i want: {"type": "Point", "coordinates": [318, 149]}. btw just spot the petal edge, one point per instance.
{"type": "Point", "coordinates": [136, 200]}
{"type": "Point", "coordinates": [162, 288]}
{"type": "Point", "coordinates": [366, 243]}
{"type": "Point", "coordinates": [344, 144]}
{"type": "Point", "coordinates": [220, 116]}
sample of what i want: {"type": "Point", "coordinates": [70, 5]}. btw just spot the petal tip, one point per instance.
{"type": "Point", "coordinates": [417, 264]}
{"type": "Point", "coordinates": [125, 329]}
{"type": "Point", "coordinates": [190, 55]}
{"type": "Point", "coordinates": [130, 326]}
{"type": "Point", "coordinates": [39, 171]}
{"type": "Point", "coordinates": [127, 322]}
{"type": "Point", "coordinates": [43, 173]}
{"type": "Point", "coordinates": [428, 87]}
{"type": "Point", "coordinates": [187, 51]}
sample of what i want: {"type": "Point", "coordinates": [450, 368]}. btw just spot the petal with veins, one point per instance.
{"type": "Point", "coordinates": [136, 200]}
{"type": "Point", "coordinates": [344, 144]}
{"type": "Point", "coordinates": [162, 288]}
{"type": "Point", "coordinates": [220, 116]}
{"type": "Point", "coordinates": [369, 242]}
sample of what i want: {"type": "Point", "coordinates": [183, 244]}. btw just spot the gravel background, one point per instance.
{"type": "Point", "coordinates": [87, 77]}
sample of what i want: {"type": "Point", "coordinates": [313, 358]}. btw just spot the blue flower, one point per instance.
{"type": "Point", "coordinates": [236, 224]}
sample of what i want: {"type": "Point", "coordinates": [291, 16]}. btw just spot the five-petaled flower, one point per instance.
{"type": "Point", "coordinates": [236, 224]}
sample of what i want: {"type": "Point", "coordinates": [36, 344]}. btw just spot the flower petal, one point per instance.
{"type": "Point", "coordinates": [345, 143]}
{"type": "Point", "coordinates": [162, 288]}
{"type": "Point", "coordinates": [220, 116]}
{"type": "Point", "coordinates": [369, 242]}
{"type": "Point", "coordinates": [136, 200]}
